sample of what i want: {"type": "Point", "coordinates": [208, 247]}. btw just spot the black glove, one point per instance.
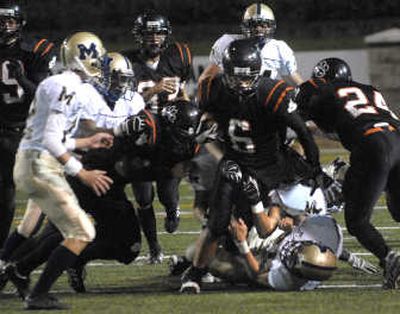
{"type": "Point", "coordinates": [333, 193]}
{"type": "Point", "coordinates": [251, 189]}
{"type": "Point", "coordinates": [231, 172]}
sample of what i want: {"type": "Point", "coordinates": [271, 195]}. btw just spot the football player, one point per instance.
{"type": "Point", "coordinates": [24, 63]}
{"type": "Point", "coordinates": [44, 156]}
{"type": "Point", "coordinates": [162, 67]}
{"type": "Point", "coordinates": [251, 111]}
{"type": "Point", "coordinates": [277, 57]}
{"type": "Point", "coordinates": [360, 118]}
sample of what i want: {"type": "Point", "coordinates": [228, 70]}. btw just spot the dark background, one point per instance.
{"type": "Point", "coordinates": [306, 24]}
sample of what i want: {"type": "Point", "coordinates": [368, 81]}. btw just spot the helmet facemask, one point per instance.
{"type": "Point", "coordinates": [11, 23]}
{"type": "Point", "coordinates": [243, 81]}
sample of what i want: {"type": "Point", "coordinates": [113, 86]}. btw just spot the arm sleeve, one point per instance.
{"type": "Point", "coordinates": [53, 135]}
{"type": "Point", "coordinates": [288, 60]}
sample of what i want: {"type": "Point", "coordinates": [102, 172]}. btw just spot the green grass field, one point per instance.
{"type": "Point", "coordinates": [141, 288]}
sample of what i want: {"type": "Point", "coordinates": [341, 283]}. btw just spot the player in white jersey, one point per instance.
{"type": "Point", "coordinates": [277, 57]}
{"type": "Point", "coordinates": [119, 97]}
{"type": "Point", "coordinates": [44, 156]}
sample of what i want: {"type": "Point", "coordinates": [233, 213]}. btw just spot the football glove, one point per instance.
{"type": "Point", "coordinates": [132, 125]}
{"type": "Point", "coordinates": [231, 171]}
{"type": "Point", "coordinates": [333, 193]}
{"type": "Point", "coordinates": [251, 190]}
{"type": "Point", "coordinates": [361, 264]}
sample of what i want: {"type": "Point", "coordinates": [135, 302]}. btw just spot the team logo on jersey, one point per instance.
{"type": "Point", "coordinates": [292, 106]}
{"type": "Point", "coordinates": [170, 113]}
{"type": "Point", "coordinates": [90, 52]}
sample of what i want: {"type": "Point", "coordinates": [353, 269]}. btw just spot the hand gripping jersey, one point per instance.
{"type": "Point", "coordinates": [252, 126]}
{"type": "Point", "coordinates": [349, 109]}
{"type": "Point", "coordinates": [35, 58]}
{"type": "Point", "coordinates": [175, 62]}
{"type": "Point", "coordinates": [277, 57]}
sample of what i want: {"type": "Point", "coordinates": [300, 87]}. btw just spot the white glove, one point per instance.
{"type": "Point", "coordinates": [132, 125]}
{"type": "Point", "coordinates": [206, 132]}
{"type": "Point", "coordinates": [361, 264]}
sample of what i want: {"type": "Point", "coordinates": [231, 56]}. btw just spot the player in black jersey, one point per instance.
{"type": "Point", "coordinates": [162, 68]}
{"type": "Point", "coordinates": [358, 115]}
{"type": "Point", "coordinates": [23, 64]}
{"type": "Point", "coordinates": [251, 112]}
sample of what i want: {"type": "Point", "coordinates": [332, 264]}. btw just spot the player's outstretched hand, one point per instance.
{"type": "Point", "coordinates": [97, 180]}
{"type": "Point", "coordinates": [101, 140]}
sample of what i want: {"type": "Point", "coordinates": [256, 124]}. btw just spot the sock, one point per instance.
{"type": "Point", "coordinates": [147, 220]}
{"type": "Point", "coordinates": [59, 260]}
{"type": "Point", "coordinates": [39, 254]}
{"type": "Point", "coordinates": [13, 242]}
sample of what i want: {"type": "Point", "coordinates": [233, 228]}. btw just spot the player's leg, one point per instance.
{"type": "Point", "coordinates": [144, 195]}
{"type": "Point", "coordinates": [168, 194]}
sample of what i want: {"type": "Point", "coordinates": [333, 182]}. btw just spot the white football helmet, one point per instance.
{"type": "Point", "coordinates": [83, 52]}
{"type": "Point", "coordinates": [259, 21]}
{"type": "Point", "coordinates": [309, 259]}
{"type": "Point", "coordinates": [121, 77]}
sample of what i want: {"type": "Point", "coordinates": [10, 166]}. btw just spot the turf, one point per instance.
{"type": "Point", "coordinates": [142, 288]}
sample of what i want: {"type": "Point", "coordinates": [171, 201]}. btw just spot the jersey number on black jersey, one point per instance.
{"type": "Point", "coordinates": [11, 91]}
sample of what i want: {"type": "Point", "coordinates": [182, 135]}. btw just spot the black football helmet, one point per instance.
{"type": "Point", "coordinates": [242, 64]}
{"type": "Point", "coordinates": [12, 21]}
{"type": "Point", "coordinates": [332, 69]}
{"type": "Point", "coordinates": [258, 21]}
{"type": "Point", "coordinates": [180, 120]}
{"type": "Point", "coordinates": [151, 32]}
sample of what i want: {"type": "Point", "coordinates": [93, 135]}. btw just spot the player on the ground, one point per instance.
{"type": "Point", "coordinates": [359, 117]}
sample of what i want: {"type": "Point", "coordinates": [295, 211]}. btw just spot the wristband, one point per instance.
{"type": "Point", "coordinates": [258, 208]}
{"type": "Point", "coordinates": [73, 166]}
{"type": "Point", "coordinates": [243, 247]}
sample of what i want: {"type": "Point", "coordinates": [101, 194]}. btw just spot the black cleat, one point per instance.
{"type": "Point", "coordinates": [171, 222]}
{"type": "Point", "coordinates": [19, 281]}
{"type": "Point", "coordinates": [76, 278]}
{"type": "Point", "coordinates": [156, 255]}
{"type": "Point", "coordinates": [177, 265]}
{"type": "Point", "coordinates": [44, 302]}
{"type": "Point", "coordinates": [392, 271]}
{"type": "Point", "coordinates": [3, 274]}
{"type": "Point", "coordinates": [191, 280]}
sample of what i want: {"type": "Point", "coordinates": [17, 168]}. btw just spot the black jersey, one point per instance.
{"type": "Point", "coordinates": [349, 109]}
{"type": "Point", "coordinates": [34, 57]}
{"type": "Point", "coordinates": [175, 61]}
{"type": "Point", "coordinates": [251, 126]}
{"type": "Point", "coordinates": [140, 159]}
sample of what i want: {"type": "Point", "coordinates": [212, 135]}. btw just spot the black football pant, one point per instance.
{"type": "Point", "coordinates": [374, 168]}
{"type": "Point", "coordinates": [9, 141]}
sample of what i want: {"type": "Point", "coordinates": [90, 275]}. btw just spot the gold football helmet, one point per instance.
{"type": "Point", "coordinates": [258, 21]}
{"type": "Point", "coordinates": [84, 52]}
{"type": "Point", "coordinates": [309, 260]}
{"type": "Point", "coordinates": [121, 75]}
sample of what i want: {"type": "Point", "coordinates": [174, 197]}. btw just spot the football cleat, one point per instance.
{"type": "Point", "coordinates": [177, 265]}
{"type": "Point", "coordinates": [392, 271]}
{"type": "Point", "coordinates": [171, 222]}
{"type": "Point", "coordinates": [19, 281]}
{"type": "Point", "coordinates": [44, 302]}
{"type": "Point", "coordinates": [190, 287]}
{"type": "Point", "coordinates": [76, 278]}
{"type": "Point", "coordinates": [156, 255]}
{"type": "Point", "coordinates": [3, 274]}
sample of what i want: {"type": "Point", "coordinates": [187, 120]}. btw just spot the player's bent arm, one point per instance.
{"type": "Point", "coordinates": [266, 223]}
{"type": "Point", "coordinates": [211, 70]}
{"type": "Point", "coordinates": [293, 79]}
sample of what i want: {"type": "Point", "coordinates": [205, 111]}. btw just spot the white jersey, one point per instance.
{"type": "Point", "coordinates": [106, 117]}
{"type": "Point", "coordinates": [62, 97]}
{"type": "Point", "coordinates": [277, 56]}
